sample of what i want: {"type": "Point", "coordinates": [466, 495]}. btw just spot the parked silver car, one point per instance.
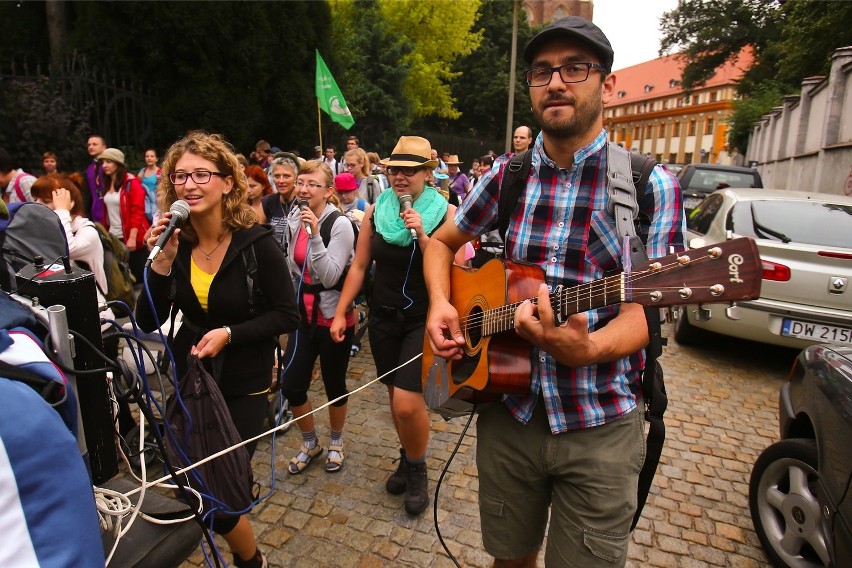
{"type": "Point", "coordinates": [805, 244]}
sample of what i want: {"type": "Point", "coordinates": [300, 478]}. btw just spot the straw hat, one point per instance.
{"type": "Point", "coordinates": [453, 160]}
{"type": "Point", "coordinates": [411, 151]}
{"type": "Point", "coordinates": [113, 155]}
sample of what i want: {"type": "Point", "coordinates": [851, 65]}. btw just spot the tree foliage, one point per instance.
{"type": "Point", "coordinates": [481, 89]}
{"type": "Point", "coordinates": [372, 72]}
{"type": "Point", "coordinates": [26, 134]}
{"type": "Point", "coordinates": [441, 31]}
{"type": "Point", "coordinates": [791, 40]}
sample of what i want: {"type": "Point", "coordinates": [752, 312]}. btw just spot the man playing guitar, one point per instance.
{"type": "Point", "coordinates": [574, 443]}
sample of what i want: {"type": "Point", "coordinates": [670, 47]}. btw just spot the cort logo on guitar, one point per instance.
{"type": "Point", "coordinates": [734, 262]}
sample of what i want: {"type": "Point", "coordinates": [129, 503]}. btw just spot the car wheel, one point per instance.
{"type": "Point", "coordinates": [784, 506]}
{"type": "Point", "coordinates": [685, 332]}
{"type": "Point", "coordinates": [279, 412]}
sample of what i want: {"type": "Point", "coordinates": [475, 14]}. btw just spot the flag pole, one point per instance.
{"type": "Point", "coordinates": [319, 123]}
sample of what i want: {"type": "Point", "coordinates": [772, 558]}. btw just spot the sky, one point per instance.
{"type": "Point", "coordinates": [633, 28]}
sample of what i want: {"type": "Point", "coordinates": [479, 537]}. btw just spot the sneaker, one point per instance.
{"type": "Point", "coordinates": [396, 483]}
{"type": "Point", "coordinates": [354, 350]}
{"type": "Point", "coordinates": [417, 492]}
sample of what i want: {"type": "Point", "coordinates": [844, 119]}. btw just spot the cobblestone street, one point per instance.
{"type": "Point", "coordinates": [722, 413]}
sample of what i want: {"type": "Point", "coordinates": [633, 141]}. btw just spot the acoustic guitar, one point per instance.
{"type": "Point", "coordinates": [496, 360]}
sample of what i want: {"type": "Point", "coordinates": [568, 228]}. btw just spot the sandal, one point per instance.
{"type": "Point", "coordinates": [298, 466]}
{"type": "Point", "coordinates": [334, 463]}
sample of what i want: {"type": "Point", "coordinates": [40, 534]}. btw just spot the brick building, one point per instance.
{"type": "Point", "coordinates": [650, 113]}
{"type": "Point", "coordinates": [545, 11]}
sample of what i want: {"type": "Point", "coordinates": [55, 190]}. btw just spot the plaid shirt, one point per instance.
{"type": "Point", "coordinates": [562, 224]}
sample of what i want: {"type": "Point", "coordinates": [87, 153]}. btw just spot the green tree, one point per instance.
{"type": "Point", "coordinates": [791, 40]}
{"type": "Point", "coordinates": [372, 72]}
{"type": "Point", "coordinates": [481, 89]}
{"type": "Point", "coordinates": [441, 31]}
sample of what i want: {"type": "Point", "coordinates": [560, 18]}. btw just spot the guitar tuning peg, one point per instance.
{"type": "Point", "coordinates": [733, 311]}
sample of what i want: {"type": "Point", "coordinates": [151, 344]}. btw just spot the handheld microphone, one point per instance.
{"type": "Point", "coordinates": [180, 213]}
{"type": "Point", "coordinates": [303, 204]}
{"type": "Point", "coordinates": [405, 205]}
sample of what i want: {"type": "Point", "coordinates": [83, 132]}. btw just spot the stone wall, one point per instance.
{"type": "Point", "coordinates": [806, 143]}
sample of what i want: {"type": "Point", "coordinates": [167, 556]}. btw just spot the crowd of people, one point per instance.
{"type": "Point", "coordinates": [333, 230]}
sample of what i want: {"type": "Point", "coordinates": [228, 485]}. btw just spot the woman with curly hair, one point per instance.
{"type": "Point", "coordinates": [202, 268]}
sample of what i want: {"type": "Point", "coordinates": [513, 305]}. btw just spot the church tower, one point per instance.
{"type": "Point", "coordinates": [544, 11]}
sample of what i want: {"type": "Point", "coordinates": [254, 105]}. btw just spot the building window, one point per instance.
{"type": "Point", "coordinates": [708, 126]}
{"type": "Point", "coordinates": [648, 131]}
{"type": "Point", "coordinates": [695, 99]}
{"type": "Point", "coordinates": [673, 83]}
{"type": "Point", "coordinates": [635, 132]}
{"type": "Point", "coordinates": [649, 88]}
{"type": "Point", "coordinates": [679, 103]}
{"type": "Point", "coordinates": [661, 132]}
{"type": "Point", "coordinates": [665, 104]}
{"type": "Point", "coordinates": [691, 130]}
{"type": "Point", "coordinates": [651, 107]}
{"type": "Point", "coordinates": [621, 94]}
{"type": "Point", "coordinates": [676, 129]}
{"type": "Point", "coordinates": [687, 158]}
{"type": "Point", "coordinates": [673, 158]}
{"type": "Point", "coordinates": [713, 97]}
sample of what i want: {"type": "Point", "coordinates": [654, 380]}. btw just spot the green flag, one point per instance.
{"type": "Point", "coordinates": [330, 98]}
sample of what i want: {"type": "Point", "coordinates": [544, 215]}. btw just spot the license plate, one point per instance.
{"type": "Point", "coordinates": [691, 202]}
{"type": "Point", "coordinates": [817, 331]}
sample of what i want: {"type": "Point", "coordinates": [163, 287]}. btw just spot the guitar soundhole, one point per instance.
{"type": "Point", "coordinates": [473, 328]}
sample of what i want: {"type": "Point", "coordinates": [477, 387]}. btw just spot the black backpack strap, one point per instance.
{"type": "Point", "coordinates": [514, 180]}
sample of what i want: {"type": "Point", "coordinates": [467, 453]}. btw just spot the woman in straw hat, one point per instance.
{"type": "Point", "coordinates": [124, 208]}
{"type": "Point", "coordinates": [398, 302]}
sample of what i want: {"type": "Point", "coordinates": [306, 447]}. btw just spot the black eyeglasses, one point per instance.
{"type": "Point", "coordinates": [199, 176]}
{"type": "Point", "coordinates": [406, 171]}
{"type": "Point", "coordinates": [569, 73]}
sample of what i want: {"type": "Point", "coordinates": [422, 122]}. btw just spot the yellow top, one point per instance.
{"type": "Point", "coordinates": [200, 281]}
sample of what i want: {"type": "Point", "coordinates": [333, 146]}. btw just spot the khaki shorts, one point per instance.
{"type": "Point", "coordinates": [586, 477]}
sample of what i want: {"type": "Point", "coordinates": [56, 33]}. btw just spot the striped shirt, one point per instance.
{"type": "Point", "coordinates": [561, 223]}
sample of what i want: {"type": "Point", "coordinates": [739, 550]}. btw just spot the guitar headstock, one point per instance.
{"type": "Point", "coordinates": [724, 272]}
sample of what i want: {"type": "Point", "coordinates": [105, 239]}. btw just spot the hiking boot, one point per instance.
{"type": "Point", "coordinates": [396, 483]}
{"type": "Point", "coordinates": [417, 492]}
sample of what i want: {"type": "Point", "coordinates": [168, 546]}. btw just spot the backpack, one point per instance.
{"type": "Point", "coordinates": [325, 234]}
{"type": "Point", "coordinates": [17, 185]}
{"type": "Point", "coordinates": [119, 278]}
{"type": "Point", "coordinates": [622, 204]}
{"type": "Point", "coordinates": [374, 188]}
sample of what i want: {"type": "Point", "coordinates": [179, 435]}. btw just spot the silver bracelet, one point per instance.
{"type": "Point", "coordinates": [227, 329]}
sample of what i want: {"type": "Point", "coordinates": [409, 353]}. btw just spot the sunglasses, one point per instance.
{"type": "Point", "coordinates": [407, 171]}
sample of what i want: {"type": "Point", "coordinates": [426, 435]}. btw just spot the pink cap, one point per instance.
{"type": "Point", "coordinates": [345, 182]}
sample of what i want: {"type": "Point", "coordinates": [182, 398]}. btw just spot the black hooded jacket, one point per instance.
{"type": "Point", "coordinates": [245, 365]}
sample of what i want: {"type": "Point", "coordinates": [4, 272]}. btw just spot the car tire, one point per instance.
{"type": "Point", "coordinates": [686, 333]}
{"type": "Point", "coordinates": [784, 507]}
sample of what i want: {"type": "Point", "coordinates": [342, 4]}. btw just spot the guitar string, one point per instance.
{"type": "Point", "coordinates": [574, 296]}
{"type": "Point", "coordinates": [596, 290]}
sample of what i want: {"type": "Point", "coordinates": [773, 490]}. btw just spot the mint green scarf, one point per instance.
{"type": "Point", "coordinates": [432, 208]}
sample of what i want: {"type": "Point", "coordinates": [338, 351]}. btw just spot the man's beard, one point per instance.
{"type": "Point", "coordinates": [586, 113]}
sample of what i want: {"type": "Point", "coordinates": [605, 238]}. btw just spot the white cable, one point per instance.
{"type": "Point", "coordinates": [280, 427]}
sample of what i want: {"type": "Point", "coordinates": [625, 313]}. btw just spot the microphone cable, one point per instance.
{"type": "Point", "coordinates": [441, 479]}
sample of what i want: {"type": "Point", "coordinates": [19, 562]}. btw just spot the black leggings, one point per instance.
{"type": "Point", "coordinates": [334, 362]}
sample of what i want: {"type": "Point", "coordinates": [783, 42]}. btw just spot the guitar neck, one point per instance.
{"type": "Point", "coordinates": [564, 301]}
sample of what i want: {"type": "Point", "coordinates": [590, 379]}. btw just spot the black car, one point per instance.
{"type": "Point", "coordinates": [697, 181]}
{"type": "Point", "coordinates": [799, 493]}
